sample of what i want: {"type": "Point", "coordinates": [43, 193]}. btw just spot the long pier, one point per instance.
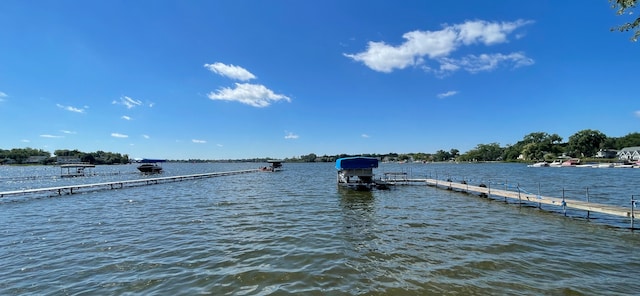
{"type": "Point", "coordinates": [520, 196]}
{"type": "Point", "coordinates": [71, 189]}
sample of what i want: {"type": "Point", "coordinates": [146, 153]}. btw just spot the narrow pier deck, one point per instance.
{"type": "Point", "coordinates": [564, 203]}
{"type": "Point", "coordinates": [71, 189]}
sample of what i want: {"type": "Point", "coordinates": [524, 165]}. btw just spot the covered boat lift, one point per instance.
{"type": "Point", "coordinates": [74, 169]}
{"type": "Point", "coordinates": [357, 173]}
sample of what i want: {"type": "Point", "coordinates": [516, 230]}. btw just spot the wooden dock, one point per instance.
{"type": "Point", "coordinates": [522, 197]}
{"type": "Point", "coordinates": [71, 189]}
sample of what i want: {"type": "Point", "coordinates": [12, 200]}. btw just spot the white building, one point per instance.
{"type": "Point", "coordinates": [629, 153]}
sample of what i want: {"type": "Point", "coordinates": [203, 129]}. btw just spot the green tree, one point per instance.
{"type": "Point", "coordinates": [484, 152]}
{"type": "Point", "coordinates": [586, 143]}
{"type": "Point", "coordinates": [535, 146]}
{"type": "Point", "coordinates": [511, 152]}
{"type": "Point", "coordinates": [630, 140]}
{"type": "Point", "coordinates": [624, 7]}
{"type": "Point", "coordinates": [441, 155]}
{"type": "Point", "coordinates": [454, 153]}
{"type": "Point", "coordinates": [309, 157]}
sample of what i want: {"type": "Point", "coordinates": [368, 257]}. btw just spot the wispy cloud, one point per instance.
{"type": "Point", "coordinates": [255, 95]}
{"type": "Point", "coordinates": [71, 108]}
{"type": "Point", "coordinates": [118, 135]}
{"type": "Point", "coordinates": [364, 136]}
{"type": "Point", "coordinates": [67, 132]}
{"type": "Point", "coordinates": [198, 141]}
{"type": "Point", "coordinates": [146, 136]}
{"type": "Point", "coordinates": [219, 145]}
{"type": "Point", "coordinates": [127, 102]}
{"type": "Point", "coordinates": [125, 117]}
{"type": "Point", "coordinates": [438, 47]}
{"type": "Point", "coordinates": [637, 113]}
{"type": "Point", "coordinates": [3, 96]}
{"type": "Point", "coordinates": [25, 141]}
{"type": "Point", "coordinates": [50, 136]}
{"type": "Point", "coordinates": [230, 71]}
{"type": "Point", "coordinates": [448, 94]}
{"type": "Point", "coordinates": [290, 136]}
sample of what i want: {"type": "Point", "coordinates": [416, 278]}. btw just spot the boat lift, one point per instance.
{"type": "Point", "coordinates": [357, 173]}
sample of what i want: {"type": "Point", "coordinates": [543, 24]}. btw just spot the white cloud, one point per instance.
{"type": "Point", "coordinates": [67, 132]}
{"type": "Point", "coordinates": [25, 141]}
{"type": "Point", "coordinates": [3, 96]}
{"type": "Point", "coordinates": [128, 102]}
{"type": "Point", "coordinates": [448, 94]}
{"type": "Point", "coordinates": [71, 108]}
{"type": "Point", "coordinates": [488, 33]}
{"type": "Point", "coordinates": [439, 45]}
{"type": "Point", "coordinates": [198, 141]}
{"type": "Point", "coordinates": [230, 71]}
{"type": "Point", "coordinates": [487, 62]}
{"type": "Point", "coordinates": [637, 113]}
{"type": "Point", "coordinates": [255, 95]}
{"type": "Point", "coordinates": [146, 136]}
{"type": "Point", "coordinates": [219, 145]}
{"type": "Point", "coordinates": [290, 136]}
{"type": "Point", "coordinates": [118, 135]}
{"type": "Point", "coordinates": [364, 136]}
{"type": "Point", "coordinates": [125, 117]}
{"type": "Point", "coordinates": [51, 136]}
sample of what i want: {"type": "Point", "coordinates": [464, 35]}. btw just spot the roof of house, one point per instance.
{"type": "Point", "coordinates": [636, 148]}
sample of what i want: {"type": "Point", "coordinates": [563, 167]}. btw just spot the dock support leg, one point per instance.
{"type": "Point", "coordinates": [564, 204]}
{"type": "Point", "coordinates": [633, 205]}
{"type": "Point", "coordinates": [540, 196]}
{"type": "Point", "coordinates": [519, 197]}
{"type": "Point", "coordinates": [588, 212]}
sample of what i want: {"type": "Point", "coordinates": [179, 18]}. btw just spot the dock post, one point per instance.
{"type": "Point", "coordinates": [505, 189]}
{"type": "Point", "coordinates": [588, 212]}
{"type": "Point", "coordinates": [519, 197]}
{"type": "Point", "coordinates": [540, 196]}
{"type": "Point", "coordinates": [564, 204]}
{"type": "Point", "coordinates": [633, 205]}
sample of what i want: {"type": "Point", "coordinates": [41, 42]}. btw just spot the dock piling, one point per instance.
{"type": "Point", "coordinates": [633, 205]}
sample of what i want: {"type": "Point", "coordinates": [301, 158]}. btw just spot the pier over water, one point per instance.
{"type": "Point", "coordinates": [71, 189]}
{"type": "Point", "coordinates": [520, 196]}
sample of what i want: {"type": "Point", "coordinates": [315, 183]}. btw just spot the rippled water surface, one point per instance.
{"type": "Point", "coordinates": [295, 232]}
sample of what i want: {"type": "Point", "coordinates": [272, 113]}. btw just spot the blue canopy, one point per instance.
{"type": "Point", "coordinates": [148, 160]}
{"type": "Point", "coordinates": [347, 163]}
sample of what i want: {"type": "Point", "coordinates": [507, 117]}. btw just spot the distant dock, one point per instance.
{"type": "Point", "coordinates": [520, 196]}
{"type": "Point", "coordinates": [72, 189]}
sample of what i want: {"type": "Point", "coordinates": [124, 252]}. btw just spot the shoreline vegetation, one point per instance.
{"type": "Point", "coordinates": [534, 147]}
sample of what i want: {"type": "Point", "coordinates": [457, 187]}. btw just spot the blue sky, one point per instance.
{"type": "Point", "coordinates": [244, 79]}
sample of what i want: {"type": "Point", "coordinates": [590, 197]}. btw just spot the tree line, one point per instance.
{"type": "Point", "coordinates": [22, 155]}
{"type": "Point", "coordinates": [536, 146]}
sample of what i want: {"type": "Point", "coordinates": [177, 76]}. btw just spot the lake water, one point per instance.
{"type": "Point", "coordinates": [295, 232]}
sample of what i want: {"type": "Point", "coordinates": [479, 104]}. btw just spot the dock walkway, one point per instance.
{"type": "Point", "coordinates": [564, 203]}
{"type": "Point", "coordinates": [71, 189]}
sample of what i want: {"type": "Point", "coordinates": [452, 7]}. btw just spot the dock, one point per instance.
{"type": "Point", "coordinates": [72, 189]}
{"type": "Point", "coordinates": [523, 197]}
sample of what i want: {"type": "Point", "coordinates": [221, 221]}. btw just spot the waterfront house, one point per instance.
{"type": "Point", "coordinates": [68, 159]}
{"type": "Point", "coordinates": [607, 153]}
{"type": "Point", "coordinates": [36, 159]}
{"type": "Point", "coordinates": [629, 153]}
